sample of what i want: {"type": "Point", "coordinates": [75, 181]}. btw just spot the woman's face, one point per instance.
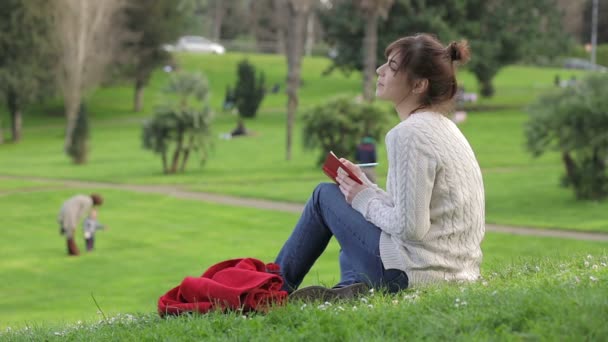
{"type": "Point", "coordinates": [392, 85]}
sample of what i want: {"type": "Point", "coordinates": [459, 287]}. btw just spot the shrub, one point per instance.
{"type": "Point", "coordinates": [248, 92]}
{"type": "Point", "coordinates": [181, 124]}
{"type": "Point", "coordinates": [574, 122]}
{"type": "Point", "coordinates": [339, 124]}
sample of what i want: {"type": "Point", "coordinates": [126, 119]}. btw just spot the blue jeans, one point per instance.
{"type": "Point", "coordinates": [328, 214]}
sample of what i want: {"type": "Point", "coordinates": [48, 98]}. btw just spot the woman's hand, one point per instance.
{"type": "Point", "coordinates": [348, 186]}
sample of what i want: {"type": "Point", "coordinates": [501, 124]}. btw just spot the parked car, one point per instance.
{"type": "Point", "coordinates": [195, 44]}
{"type": "Point", "coordinates": [578, 63]}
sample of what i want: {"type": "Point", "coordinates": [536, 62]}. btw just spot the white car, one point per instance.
{"type": "Point", "coordinates": [196, 44]}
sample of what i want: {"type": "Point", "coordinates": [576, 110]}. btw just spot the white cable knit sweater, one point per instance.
{"type": "Point", "coordinates": [432, 214]}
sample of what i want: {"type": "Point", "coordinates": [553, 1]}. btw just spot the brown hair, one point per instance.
{"type": "Point", "coordinates": [423, 56]}
{"type": "Point", "coordinates": [97, 199]}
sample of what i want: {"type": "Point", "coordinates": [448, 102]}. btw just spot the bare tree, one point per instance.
{"type": "Point", "coordinates": [295, 13]}
{"type": "Point", "coordinates": [90, 35]}
{"type": "Point", "coordinates": [372, 10]}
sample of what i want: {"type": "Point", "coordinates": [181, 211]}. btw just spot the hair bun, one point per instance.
{"type": "Point", "coordinates": [459, 51]}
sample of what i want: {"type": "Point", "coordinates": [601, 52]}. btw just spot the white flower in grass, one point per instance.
{"type": "Point", "coordinates": [57, 333]}
{"type": "Point", "coordinates": [603, 264]}
{"type": "Point", "coordinates": [303, 306]}
{"type": "Point", "coordinates": [355, 308]}
{"type": "Point", "coordinates": [484, 283]}
{"type": "Point", "coordinates": [494, 293]}
{"type": "Point", "coordinates": [322, 307]}
{"type": "Point", "coordinates": [592, 278]}
{"type": "Point", "coordinates": [537, 268]}
{"type": "Point", "coordinates": [576, 279]}
{"type": "Point", "coordinates": [364, 300]}
{"type": "Point", "coordinates": [339, 308]}
{"type": "Point", "coordinates": [370, 306]}
{"type": "Point", "coordinates": [595, 267]}
{"type": "Point", "coordinates": [395, 302]}
{"type": "Point", "coordinates": [8, 329]}
{"type": "Point", "coordinates": [589, 256]}
{"type": "Point", "coordinates": [586, 263]}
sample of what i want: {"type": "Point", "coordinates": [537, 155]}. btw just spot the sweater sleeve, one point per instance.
{"type": "Point", "coordinates": [408, 216]}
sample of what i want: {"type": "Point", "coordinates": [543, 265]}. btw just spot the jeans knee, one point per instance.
{"type": "Point", "coordinates": [324, 191]}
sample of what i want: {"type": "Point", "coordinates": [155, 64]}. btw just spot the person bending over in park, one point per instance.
{"type": "Point", "coordinates": [427, 226]}
{"type": "Point", "coordinates": [90, 226]}
{"type": "Point", "coordinates": [72, 211]}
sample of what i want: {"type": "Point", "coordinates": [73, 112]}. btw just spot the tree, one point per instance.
{"type": "Point", "coordinates": [345, 26]}
{"type": "Point", "coordinates": [574, 122]}
{"type": "Point", "coordinates": [339, 124]}
{"type": "Point", "coordinates": [157, 22]}
{"type": "Point", "coordinates": [294, 13]}
{"type": "Point", "coordinates": [502, 32]}
{"type": "Point", "coordinates": [372, 10]}
{"type": "Point", "coordinates": [26, 57]}
{"type": "Point", "coordinates": [249, 90]}
{"type": "Point", "coordinates": [90, 35]}
{"type": "Point", "coordinates": [184, 123]}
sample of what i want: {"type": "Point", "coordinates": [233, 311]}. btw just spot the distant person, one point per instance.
{"type": "Point", "coordinates": [72, 211]}
{"type": "Point", "coordinates": [275, 88]}
{"type": "Point", "coordinates": [365, 154]}
{"type": "Point", "coordinates": [239, 130]}
{"type": "Point", "coordinates": [90, 226]}
{"type": "Point", "coordinates": [428, 225]}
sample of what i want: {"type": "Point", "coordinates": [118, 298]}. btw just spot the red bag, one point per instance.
{"type": "Point", "coordinates": [239, 284]}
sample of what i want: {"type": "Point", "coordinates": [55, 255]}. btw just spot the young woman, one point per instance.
{"type": "Point", "coordinates": [428, 225]}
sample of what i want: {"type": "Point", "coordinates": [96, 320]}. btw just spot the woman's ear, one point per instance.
{"type": "Point", "coordinates": [421, 85]}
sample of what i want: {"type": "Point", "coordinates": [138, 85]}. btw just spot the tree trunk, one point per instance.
{"type": "Point", "coordinates": [217, 20]}
{"type": "Point", "coordinates": [370, 43]}
{"type": "Point", "coordinates": [70, 125]}
{"type": "Point", "coordinates": [182, 168]}
{"type": "Point", "coordinates": [310, 33]}
{"type": "Point", "coordinates": [295, 42]}
{"type": "Point", "coordinates": [164, 158]}
{"type": "Point", "coordinates": [16, 118]}
{"type": "Point", "coordinates": [177, 152]}
{"type": "Point", "coordinates": [139, 95]}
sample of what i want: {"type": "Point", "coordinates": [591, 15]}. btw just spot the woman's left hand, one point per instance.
{"type": "Point", "coordinates": [349, 187]}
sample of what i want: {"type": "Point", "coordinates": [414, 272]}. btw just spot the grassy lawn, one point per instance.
{"type": "Point", "coordinates": [154, 241]}
{"type": "Point", "coordinates": [552, 300]}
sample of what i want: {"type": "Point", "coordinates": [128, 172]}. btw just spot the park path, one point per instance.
{"type": "Point", "coordinates": [178, 192]}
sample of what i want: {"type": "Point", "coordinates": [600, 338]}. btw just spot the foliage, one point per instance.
{"type": "Point", "coordinates": [339, 124]}
{"type": "Point", "coordinates": [156, 22]}
{"type": "Point", "coordinates": [344, 28]}
{"type": "Point", "coordinates": [180, 123]}
{"type": "Point", "coordinates": [500, 32]}
{"type": "Point", "coordinates": [574, 121]}
{"type": "Point", "coordinates": [26, 56]}
{"type": "Point", "coordinates": [79, 145]}
{"type": "Point", "coordinates": [249, 90]}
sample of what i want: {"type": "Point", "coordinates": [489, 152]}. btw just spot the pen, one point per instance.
{"type": "Point", "coordinates": [367, 164]}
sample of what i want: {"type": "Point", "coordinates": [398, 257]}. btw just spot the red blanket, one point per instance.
{"type": "Point", "coordinates": [238, 284]}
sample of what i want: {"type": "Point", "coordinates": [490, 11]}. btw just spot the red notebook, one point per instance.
{"type": "Point", "coordinates": [331, 166]}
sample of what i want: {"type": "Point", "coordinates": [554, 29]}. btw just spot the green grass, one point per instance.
{"type": "Point", "coordinates": [536, 299]}
{"type": "Point", "coordinates": [154, 241]}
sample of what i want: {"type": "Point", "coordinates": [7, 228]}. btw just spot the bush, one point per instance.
{"type": "Point", "coordinates": [78, 148]}
{"type": "Point", "coordinates": [339, 124]}
{"type": "Point", "coordinates": [181, 124]}
{"type": "Point", "coordinates": [248, 92]}
{"type": "Point", "coordinates": [574, 122]}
